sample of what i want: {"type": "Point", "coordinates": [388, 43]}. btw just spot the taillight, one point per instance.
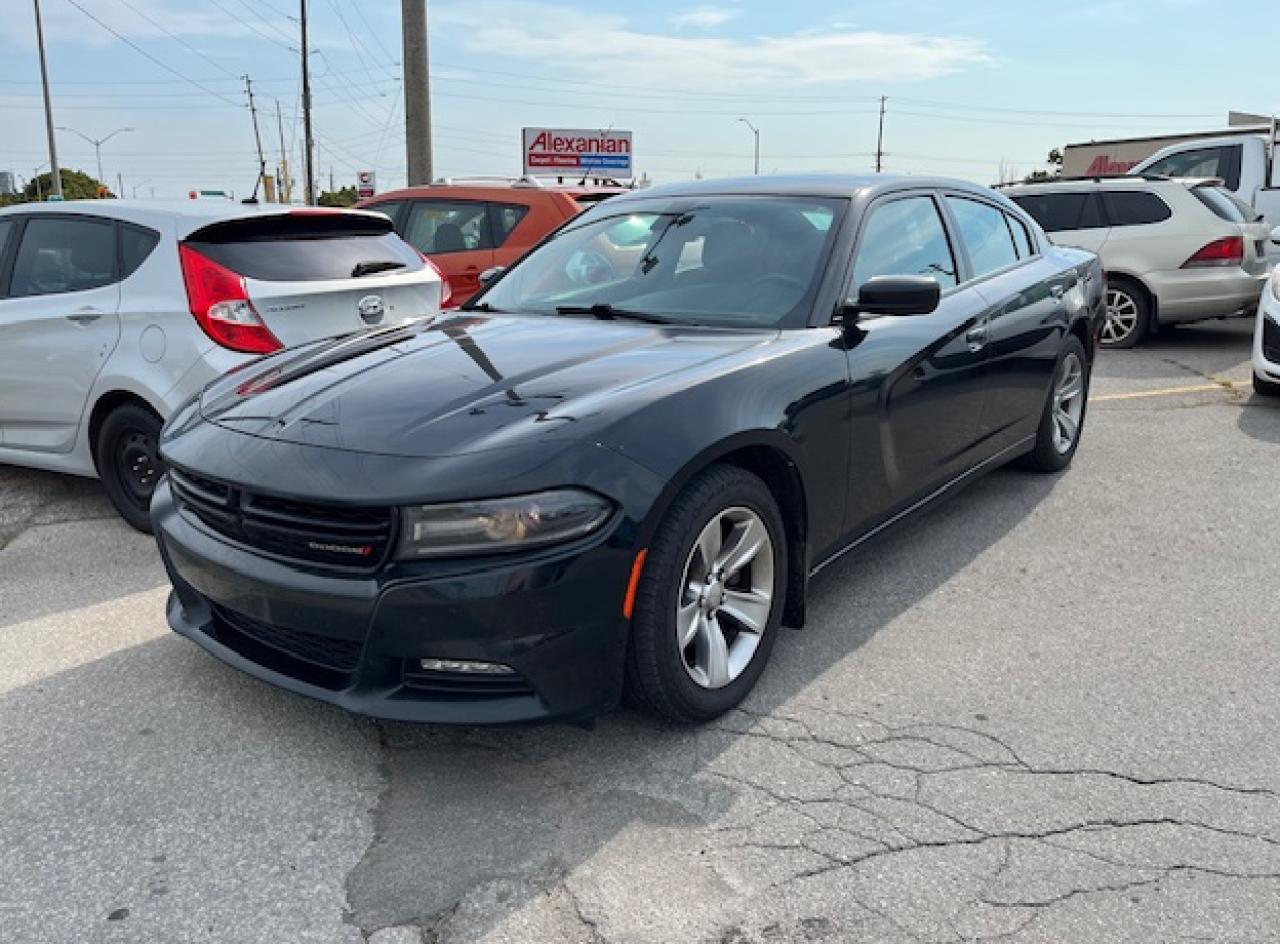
{"type": "Point", "coordinates": [1220, 252]}
{"type": "Point", "coordinates": [446, 290]}
{"type": "Point", "coordinates": [221, 305]}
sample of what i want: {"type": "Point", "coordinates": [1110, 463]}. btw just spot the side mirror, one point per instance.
{"type": "Point", "coordinates": [896, 295]}
{"type": "Point", "coordinates": [490, 275]}
{"type": "Point", "coordinates": [1275, 235]}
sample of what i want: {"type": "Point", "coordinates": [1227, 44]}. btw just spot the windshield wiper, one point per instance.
{"type": "Point", "coordinates": [371, 268]}
{"type": "Point", "coordinates": [482, 306]}
{"type": "Point", "coordinates": [606, 312]}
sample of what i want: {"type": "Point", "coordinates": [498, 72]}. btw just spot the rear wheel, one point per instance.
{"type": "Point", "coordinates": [1265, 388]}
{"type": "Point", "coordinates": [710, 599]}
{"type": "Point", "coordinates": [1128, 315]}
{"type": "Point", "coordinates": [1062, 422]}
{"type": "Point", "coordinates": [129, 463]}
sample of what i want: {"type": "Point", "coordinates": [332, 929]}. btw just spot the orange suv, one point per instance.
{"type": "Point", "coordinates": [467, 225]}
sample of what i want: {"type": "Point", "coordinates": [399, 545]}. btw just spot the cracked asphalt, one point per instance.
{"type": "Point", "coordinates": [1047, 711]}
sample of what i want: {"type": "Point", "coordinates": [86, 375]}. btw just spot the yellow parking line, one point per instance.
{"type": "Point", "coordinates": [1167, 392]}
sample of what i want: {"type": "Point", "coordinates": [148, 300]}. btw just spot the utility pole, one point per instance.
{"type": "Point", "coordinates": [417, 93]}
{"type": "Point", "coordinates": [257, 138]}
{"type": "Point", "coordinates": [55, 175]}
{"type": "Point", "coordinates": [285, 189]}
{"type": "Point", "coordinates": [331, 178]}
{"type": "Point", "coordinates": [880, 137]}
{"type": "Point", "coordinates": [308, 141]}
{"type": "Point", "coordinates": [756, 132]}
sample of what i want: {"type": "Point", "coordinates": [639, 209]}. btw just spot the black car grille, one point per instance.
{"type": "Point", "coordinates": [321, 660]}
{"type": "Point", "coordinates": [463, 686]}
{"type": "Point", "coordinates": [1270, 340]}
{"type": "Point", "coordinates": [332, 535]}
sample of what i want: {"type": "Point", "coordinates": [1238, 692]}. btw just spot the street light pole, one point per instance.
{"type": "Point", "coordinates": [97, 145]}
{"type": "Point", "coordinates": [756, 132]}
{"type": "Point", "coordinates": [55, 175]}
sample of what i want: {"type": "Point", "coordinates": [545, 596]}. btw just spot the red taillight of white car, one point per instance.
{"type": "Point", "coordinates": [221, 305]}
{"type": "Point", "coordinates": [446, 290]}
{"type": "Point", "coordinates": [1220, 252]}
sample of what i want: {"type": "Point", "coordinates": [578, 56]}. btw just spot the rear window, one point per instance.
{"type": "Point", "coordinates": [1134, 208]}
{"type": "Point", "coordinates": [1056, 212]}
{"type": "Point", "coordinates": [1225, 205]}
{"type": "Point", "coordinates": [1220, 161]}
{"type": "Point", "coordinates": [136, 244]}
{"type": "Point", "coordinates": [306, 247]}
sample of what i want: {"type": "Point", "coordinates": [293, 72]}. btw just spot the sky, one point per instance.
{"type": "Point", "coordinates": [975, 90]}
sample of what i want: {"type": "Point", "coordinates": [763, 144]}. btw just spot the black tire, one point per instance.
{"type": "Point", "coordinates": [129, 463]}
{"type": "Point", "coordinates": [1123, 295]}
{"type": "Point", "coordinates": [1047, 457]}
{"type": "Point", "coordinates": [1265, 388]}
{"type": "Point", "coordinates": [657, 680]}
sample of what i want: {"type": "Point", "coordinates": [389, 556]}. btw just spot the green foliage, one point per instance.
{"type": "Point", "coordinates": [1055, 158]}
{"type": "Point", "coordinates": [76, 185]}
{"type": "Point", "coordinates": [1039, 177]}
{"type": "Point", "coordinates": [343, 197]}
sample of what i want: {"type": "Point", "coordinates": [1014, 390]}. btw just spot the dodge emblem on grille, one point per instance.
{"type": "Point", "coordinates": [361, 550]}
{"type": "Point", "coordinates": [371, 309]}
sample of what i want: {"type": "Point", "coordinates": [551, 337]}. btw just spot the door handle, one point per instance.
{"type": "Point", "coordinates": [976, 337]}
{"type": "Point", "coordinates": [85, 315]}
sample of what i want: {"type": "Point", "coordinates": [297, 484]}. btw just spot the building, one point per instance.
{"type": "Point", "coordinates": [7, 185]}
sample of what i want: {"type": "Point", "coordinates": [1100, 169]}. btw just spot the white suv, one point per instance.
{"type": "Point", "coordinates": [1173, 250]}
{"type": "Point", "coordinates": [112, 313]}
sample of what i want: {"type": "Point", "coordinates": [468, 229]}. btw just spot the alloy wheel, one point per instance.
{"type": "Point", "coordinates": [726, 597]}
{"type": "Point", "coordinates": [1122, 317]}
{"type": "Point", "coordinates": [1068, 403]}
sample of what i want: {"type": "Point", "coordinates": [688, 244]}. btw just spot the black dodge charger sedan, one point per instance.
{"type": "Point", "coordinates": [614, 472]}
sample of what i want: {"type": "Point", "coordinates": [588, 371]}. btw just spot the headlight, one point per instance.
{"type": "Point", "coordinates": [500, 524]}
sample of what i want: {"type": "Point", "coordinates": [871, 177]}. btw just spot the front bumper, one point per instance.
{"type": "Point", "coordinates": [1197, 294]}
{"type": "Point", "coordinates": [357, 640]}
{"type": "Point", "coordinates": [1266, 339]}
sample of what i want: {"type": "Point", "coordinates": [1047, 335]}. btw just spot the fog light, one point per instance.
{"type": "Point", "coordinates": [465, 666]}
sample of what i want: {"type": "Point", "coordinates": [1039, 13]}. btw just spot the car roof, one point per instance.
{"type": "Point", "coordinates": [495, 191]}
{"type": "Point", "coordinates": [807, 185]}
{"type": "Point", "coordinates": [179, 216]}
{"type": "Point", "coordinates": [1119, 181]}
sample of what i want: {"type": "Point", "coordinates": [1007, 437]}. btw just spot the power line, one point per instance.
{"type": "Point", "coordinates": [178, 39]}
{"type": "Point", "coordinates": [143, 52]}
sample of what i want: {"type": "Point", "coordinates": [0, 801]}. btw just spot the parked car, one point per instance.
{"type": "Point", "coordinates": [1244, 163]}
{"type": "Point", "coordinates": [1266, 335]}
{"type": "Point", "coordinates": [1174, 250]}
{"type": "Point", "coordinates": [114, 312]}
{"type": "Point", "coordinates": [619, 475]}
{"type": "Point", "coordinates": [467, 226]}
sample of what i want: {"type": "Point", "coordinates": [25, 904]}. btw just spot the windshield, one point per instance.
{"type": "Point", "coordinates": [736, 261]}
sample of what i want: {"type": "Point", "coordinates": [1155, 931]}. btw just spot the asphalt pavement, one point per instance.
{"type": "Point", "coordinates": [1047, 711]}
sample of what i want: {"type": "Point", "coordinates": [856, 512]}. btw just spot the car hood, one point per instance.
{"type": "Point", "coordinates": [468, 383]}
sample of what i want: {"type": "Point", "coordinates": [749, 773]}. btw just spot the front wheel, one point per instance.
{"type": "Point", "coordinates": [710, 599]}
{"type": "Point", "coordinates": [1062, 422]}
{"type": "Point", "coordinates": [129, 462]}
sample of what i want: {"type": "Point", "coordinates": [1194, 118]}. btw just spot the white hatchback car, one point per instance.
{"type": "Point", "coordinates": [112, 313]}
{"type": "Point", "coordinates": [1174, 250]}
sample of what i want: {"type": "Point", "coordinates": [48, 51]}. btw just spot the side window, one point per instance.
{"type": "Point", "coordinates": [436, 227]}
{"type": "Point", "coordinates": [1021, 237]}
{"type": "Point", "coordinates": [506, 217]}
{"type": "Point", "coordinates": [136, 244]}
{"type": "Point", "coordinates": [64, 255]}
{"type": "Point", "coordinates": [905, 237]}
{"type": "Point", "coordinates": [6, 230]}
{"type": "Point", "coordinates": [1057, 212]}
{"type": "Point", "coordinates": [390, 209]}
{"type": "Point", "coordinates": [985, 234]}
{"type": "Point", "coordinates": [1221, 162]}
{"type": "Point", "coordinates": [1134, 208]}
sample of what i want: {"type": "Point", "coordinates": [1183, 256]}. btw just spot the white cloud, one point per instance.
{"type": "Point", "coordinates": [703, 17]}
{"type": "Point", "coordinates": [606, 48]}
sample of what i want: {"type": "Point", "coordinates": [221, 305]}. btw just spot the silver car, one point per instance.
{"type": "Point", "coordinates": [112, 313]}
{"type": "Point", "coordinates": [1174, 250]}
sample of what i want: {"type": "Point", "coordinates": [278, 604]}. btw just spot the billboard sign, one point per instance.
{"type": "Point", "coordinates": [366, 183]}
{"type": "Point", "coordinates": [556, 151]}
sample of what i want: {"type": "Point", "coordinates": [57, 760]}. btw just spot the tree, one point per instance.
{"type": "Point", "coordinates": [76, 185]}
{"type": "Point", "coordinates": [1055, 158]}
{"type": "Point", "coordinates": [343, 197]}
{"type": "Point", "coordinates": [1038, 177]}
